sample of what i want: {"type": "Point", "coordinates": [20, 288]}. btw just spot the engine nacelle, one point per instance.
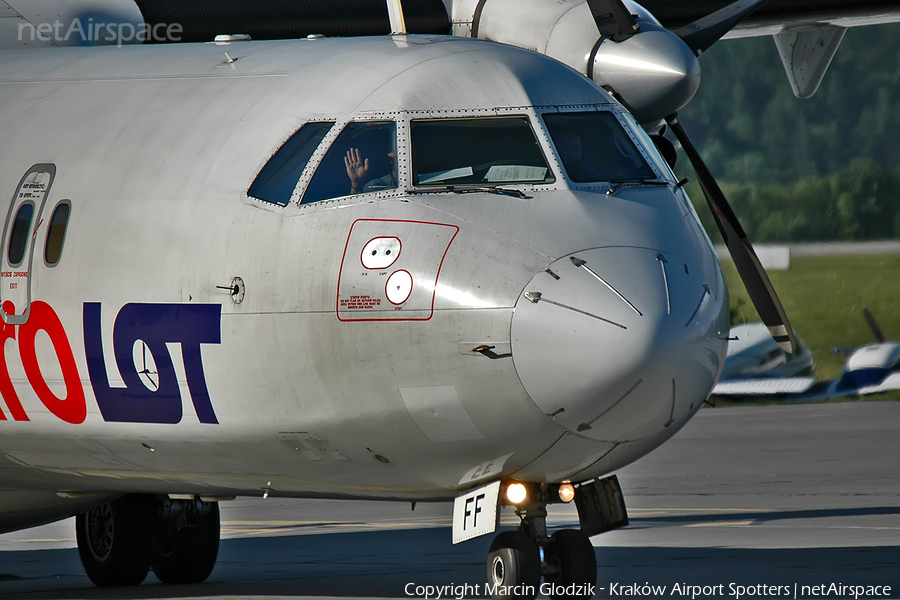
{"type": "Point", "coordinates": [653, 71]}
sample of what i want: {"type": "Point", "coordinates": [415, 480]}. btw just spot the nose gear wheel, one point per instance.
{"type": "Point", "coordinates": [514, 565]}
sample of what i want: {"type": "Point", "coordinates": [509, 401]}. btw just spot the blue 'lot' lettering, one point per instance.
{"type": "Point", "coordinates": [155, 325]}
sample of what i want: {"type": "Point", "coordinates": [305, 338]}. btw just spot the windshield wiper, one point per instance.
{"type": "Point", "coordinates": [618, 185]}
{"type": "Point", "coordinates": [464, 189]}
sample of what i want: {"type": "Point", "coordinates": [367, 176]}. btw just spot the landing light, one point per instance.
{"type": "Point", "coordinates": [516, 493]}
{"type": "Point", "coordinates": [566, 492]}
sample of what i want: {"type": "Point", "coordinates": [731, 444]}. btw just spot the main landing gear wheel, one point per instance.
{"type": "Point", "coordinates": [514, 565]}
{"type": "Point", "coordinates": [571, 562]}
{"type": "Point", "coordinates": [115, 541]}
{"type": "Point", "coordinates": [188, 555]}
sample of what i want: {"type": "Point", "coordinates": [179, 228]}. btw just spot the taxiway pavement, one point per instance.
{"type": "Point", "coordinates": [789, 496]}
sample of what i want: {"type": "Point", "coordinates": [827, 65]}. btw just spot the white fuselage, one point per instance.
{"type": "Point", "coordinates": [315, 383]}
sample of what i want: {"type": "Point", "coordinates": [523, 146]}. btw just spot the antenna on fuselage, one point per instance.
{"type": "Point", "coordinates": [395, 13]}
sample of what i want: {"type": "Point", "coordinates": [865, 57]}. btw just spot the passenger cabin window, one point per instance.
{"type": "Point", "coordinates": [362, 159]}
{"type": "Point", "coordinates": [593, 146]}
{"type": "Point", "coordinates": [56, 233]}
{"type": "Point", "coordinates": [277, 180]}
{"type": "Point", "coordinates": [477, 151]}
{"type": "Point", "coordinates": [18, 239]}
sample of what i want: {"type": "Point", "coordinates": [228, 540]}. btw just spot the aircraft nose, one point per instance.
{"type": "Point", "coordinates": [619, 343]}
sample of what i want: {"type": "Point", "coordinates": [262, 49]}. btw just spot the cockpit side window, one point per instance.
{"type": "Point", "coordinates": [476, 151]}
{"type": "Point", "coordinates": [277, 180]}
{"type": "Point", "coordinates": [593, 146]}
{"type": "Point", "coordinates": [362, 159]}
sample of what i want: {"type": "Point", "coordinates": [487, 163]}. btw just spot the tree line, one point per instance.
{"type": "Point", "coordinates": [827, 168]}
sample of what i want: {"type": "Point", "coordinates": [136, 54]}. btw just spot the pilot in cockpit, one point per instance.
{"type": "Point", "coordinates": [358, 170]}
{"type": "Point", "coordinates": [365, 153]}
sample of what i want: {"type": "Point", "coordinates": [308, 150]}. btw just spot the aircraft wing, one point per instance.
{"type": "Point", "coordinates": [776, 15]}
{"type": "Point", "coordinates": [266, 16]}
{"type": "Point", "coordinates": [202, 20]}
{"type": "Point", "coordinates": [42, 23]}
{"type": "Point", "coordinates": [764, 386]}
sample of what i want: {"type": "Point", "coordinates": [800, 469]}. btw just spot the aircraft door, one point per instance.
{"type": "Point", "coordinates": [19, 233]}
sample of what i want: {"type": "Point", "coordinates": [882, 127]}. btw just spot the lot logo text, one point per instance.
{"type": "Point", "coordinates": [142, 333]}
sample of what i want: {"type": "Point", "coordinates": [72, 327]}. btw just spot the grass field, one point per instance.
{"type": "Point", "coordinates": [824, 298]}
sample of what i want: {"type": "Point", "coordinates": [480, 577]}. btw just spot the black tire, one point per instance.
{"type": "Point", "coordinates": [571, 561]}
{"type": "Point", "coordinates": [514, 566]}
{"type": "Point", "coordinates": [116, 540]}
{"type": "Point", "coordinates": [189, 555]}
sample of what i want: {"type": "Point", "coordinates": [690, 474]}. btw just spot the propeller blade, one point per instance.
{"type": "Point", "coordinates": [760, 289]}
{"type": "Point", "coordinates": [873, 324]}
{"type": "Point", "coordinates": [705, 32]}
{"type": "Point", "coordinates": [613, 19]}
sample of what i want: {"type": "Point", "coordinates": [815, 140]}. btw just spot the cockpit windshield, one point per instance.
{"type": "Point", "coordinates": [476, 151]}
{"type": "Point", "coordinates": [362, 159]}
{"type": "Point", "coordinates": [593, 147]}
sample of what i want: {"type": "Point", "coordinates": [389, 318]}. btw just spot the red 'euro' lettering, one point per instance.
{"type": "Point", "coordinates": [7, 390]}
{"type": "Point", "coordinates": [72, 408]}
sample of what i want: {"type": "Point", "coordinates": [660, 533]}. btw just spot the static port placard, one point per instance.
{"type": "Point", "coordinates": [390, 269]}
{"type": "Point", "coordinates": [381, 253]}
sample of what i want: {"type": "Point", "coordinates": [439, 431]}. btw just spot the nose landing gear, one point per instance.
{"type": "Point", "coordinates": [566, 560]}
{"type": "Point", "coordinates": [570, 562]}
{"type": "Point", "coordinates": [513, 565]}
{"type": "Point", "coordinates": [518, 559]}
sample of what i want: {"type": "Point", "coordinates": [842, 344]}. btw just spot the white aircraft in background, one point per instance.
{"type": "Point", "coordinates": [405, 267]}
{"type": "Point", "coordinates": [756, 366]}
{"type": "Point", "coordinates": [871, 368]}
